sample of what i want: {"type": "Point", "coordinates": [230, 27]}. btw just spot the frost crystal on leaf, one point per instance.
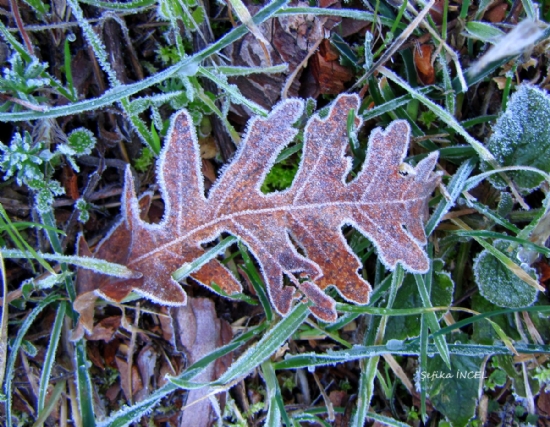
{"type": "Point", "coordinates": [384, 204]}
{"type": "Point", "coordinates": [522, 137]}
{"type": "Point", "coordinates": [498, 284]}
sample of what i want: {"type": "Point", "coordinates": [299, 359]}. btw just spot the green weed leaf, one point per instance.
{"type": "Point", "coordinates": [498, 284]}
{"type": "Point", "coordinates": [522, 137]}
{"type": "Point", "coordinates": [453, 391]}
{"type": "Point", "coordinates": [484, 32]}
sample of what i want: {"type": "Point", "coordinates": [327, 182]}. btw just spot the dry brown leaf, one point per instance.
{"type": "Point", "coordinates": [106, 329]}
{"type": "Point", "coordinates": [386, 202]}
{"type": "Point", "coordinates": [327, 71]}
{"type": "Point", "coordinates": [423, 63]}
{"type": "Point", "coordinates": [146, 362]}
{"type": "Point", "coordinates": [201, 332]}
{"type": "Point", "coordinates": [130, 383]}
{"type": "Point", "coordinates": [497, 13]}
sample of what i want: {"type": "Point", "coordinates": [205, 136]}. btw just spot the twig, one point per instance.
{"type": "Point", "coordinates": [290, 80]}
{"type": "Point", "coordinates": [26, 104]}
{"type": "Point", "coordinates": [19, 22]}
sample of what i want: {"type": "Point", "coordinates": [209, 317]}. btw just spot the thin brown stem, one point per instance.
{"type": "Point", "coordinates": [19, 22]}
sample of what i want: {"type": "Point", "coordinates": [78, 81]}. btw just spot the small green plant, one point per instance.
{"type": "Point", "coordinates": [288, 383]}
{"type": "Point", "coordinates": [145, 160]}
{"type": "Point", "coordinates": [22, 81]}
{"type": "Point", "coordinates": [280, 177]}
{"type": "Point", "coordinates": [168, 55]}
{"type": "Point", "coordinates": [80, 142]}
{"type": "Point", "coordinates": [496, 379]}
{"type": "Point", "coordinates": [498, 283]}
{"type": "Point", "coordinates": [412, 414]}
{"type": "Point", "coordinates": [24, 159]}
{"type": "Point", "coordinates": [83, 208]}
{"type": "Point", "coordinates": [32, 163]}
{"type": "Point", "coordinates": [427, 118]}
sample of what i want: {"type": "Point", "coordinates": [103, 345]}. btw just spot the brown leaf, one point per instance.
{"type": "Point", "coordinates": [328, 73]}
{"type": "Point", "coordinates": [497, 13]}
{"type": "Point", "coordinates": [424, 65]}
{"type": "Point", "coordinates": [130, 382]}
{"type": "Point", "coordinates": [106, 329]}
{"type": "Point", "coordinates": [115, 248]}
{"type": "Point", "coordinates": [70, 182]}
{"type": "Point", "coordinates": [386, 202]}
{"type": "Point", "coordinates": [146, 361]}
{"type": "Point", "coordinates": [328, 51]}
{"type": "Point", "coordinates": [436, 12]}
{"type": "Point", "coordinates": [291, 38]}
{"type": "Point", "coordinates": [201, 332]}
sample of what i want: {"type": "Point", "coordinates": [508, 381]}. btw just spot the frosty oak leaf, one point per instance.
{"type": "Point", "coordinates": [386, 202]}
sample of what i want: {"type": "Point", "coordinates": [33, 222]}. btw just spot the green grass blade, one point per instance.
{"type": "Point", "coordinates": [233, 92]}
{"type": "Point", "coordinates": [188, 268]}
{"type": "Point", "coordinates": [476, 180]}
{"type": "Point", "coordinates": [423, 366]}
{"type": "Point", "coordinates": [83, 380]}
{"type": "Point", "coordinates": [387, 421]}
{"type": "Point", "coordinates": [132, 5]}
{"type": "Point", "coordinates": [366, 390]}
{"type": "Point", "coordinates": [454, 189]}
{"type": "Point", "coordinates": [246, 71]}
{"type": "Point", "coordinates": [444, 115]}
{"type": "Point", "coordinates": [312, 360]}
{"type": "Point", "coordinates": [50, 355]}
{"type": "Point", "coordinates": [369, 368]}
{"type": "Point", "coordinates": [269, 343]}
{"type": "Point", "coordinates": [484, 234]}
{"type": "Point", "coordinates": [14, 350]}
{"type": "Point", "coordinates": [18, 240]}
{"type": "Point", "coordinates": [3, 326]}
{"type": "Point", "coordinates": [84, 385]}
{"type": "Point", "coordinates": [431, 319]}
{"type": "Point", "coordinates": [540, 310]}
{"type": "Point", "coordinates": [262, 350]}
{"type": "Point", "coordinates": [493, 216]}
{"type": "Point", "coordinates": [257, 282]}
{"type": "Point", "coordinates": [99, 265]}
{"type": "Point", "coordinates": [45, 412]}
{"type": "Point", "coordinates": [276, 406]}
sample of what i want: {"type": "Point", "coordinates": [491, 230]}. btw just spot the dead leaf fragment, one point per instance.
{"type": "Point", "coordinates": [497, 13]}
{"type": "Point", "coordinates": [70, 183]}
{"type": "Point", "coordinates": [130, 383]}
{"type": "Point", "coordinates": [423, 63]}
{"type": "Point", "coordinates": [106, 329]}
{"type": "Point", "coordinates": [327, 71]}
{"type": "Point", "coordinates": [146, 361]}
{"type": "Point", "coordinates": [209, 150]}
{"type": "Point", "coordinates": [383, 203]}
{"type": "Point", "coordinates": [201, 332]}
